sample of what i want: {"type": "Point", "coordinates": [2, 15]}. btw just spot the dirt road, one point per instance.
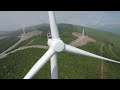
{"type": "Point", "coordinates": [22, 38]}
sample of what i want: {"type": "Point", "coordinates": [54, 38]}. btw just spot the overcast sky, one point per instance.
{"type": "Point", "coordinates": [12, 20]}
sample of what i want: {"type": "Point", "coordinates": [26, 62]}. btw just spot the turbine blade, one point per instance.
{"type": "Point", "coordinates": [53, 25]}
{"type": "Point", "coordinates": [74, 50]}
{"type": "Point", "coordinates": [40, 63]}
{"type": "Point", "coordinates": [54, 67]}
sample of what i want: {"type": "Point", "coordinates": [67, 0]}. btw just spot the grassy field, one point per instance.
{"type": "Point", "coordinates": [110, 69]}
{"type": "Point", "coordinates": [14, 67]}
{"type": "Point", "coordinates": [71, 66]}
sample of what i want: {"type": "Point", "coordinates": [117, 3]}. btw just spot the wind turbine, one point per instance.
{"type": "Point", "coordinates": [34, 27]}
{"type": "Point", "coordinates": [57, 45]}
{"type": "Point", "coordinates": [83, 33]}
{"type": "Point", "coordinates": [23, 29]}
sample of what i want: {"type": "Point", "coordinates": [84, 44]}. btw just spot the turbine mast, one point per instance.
{"type": "Point", "coordinates": [23, 29]}
{"type": "Point", "coordinates": [33, 28]}
{"type": "Point", "coordinates": [83, 33]}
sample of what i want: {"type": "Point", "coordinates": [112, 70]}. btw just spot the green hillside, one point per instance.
{"type": "Point", "coordinates": [4, 33]}
{"type": "Point", "coordinates": [71, 66]}
{"type": "Point", "coordinates": [7, 42]}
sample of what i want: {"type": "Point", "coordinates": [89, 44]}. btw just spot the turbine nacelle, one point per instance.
{"type": "Point", "coordinates": [57, 44]}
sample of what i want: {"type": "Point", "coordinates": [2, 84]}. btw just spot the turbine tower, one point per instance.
{"type": "Point", "coordinates": [57, 45]}
{"type": "Point", "coordinates": [83, 33]}
{"type": "Point", "coordinates": [33, 28]}
{"type": "Point", "coordinates": [23, 29]}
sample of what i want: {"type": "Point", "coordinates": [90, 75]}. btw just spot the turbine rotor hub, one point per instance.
{"type": "Point", "coordinates": [58, 45]}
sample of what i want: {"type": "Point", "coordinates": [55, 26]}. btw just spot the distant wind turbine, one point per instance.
{"type": "Point", "coordinates": [33, 27]}
{"type": "Point", "coordinates": [23, 29]}
{"type": "Point", "coordinates": [83, 33]}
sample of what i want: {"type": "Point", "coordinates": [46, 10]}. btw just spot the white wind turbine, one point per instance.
{"type": "Point", "coordinates": [34, 28]}
{"type": "Point", "coordinates": [83, 32]}
{"type": "Point", "coordinates": [23, 29]}
{"type": "Point", "coordinates": [57, 45]}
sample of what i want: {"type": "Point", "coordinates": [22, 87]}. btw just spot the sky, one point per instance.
{"type": "Point", "coordinates": [13, 20]}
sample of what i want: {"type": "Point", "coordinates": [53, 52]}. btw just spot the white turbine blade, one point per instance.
{"type": "Point", "coordinates": [54, 67]}
{"type": "Point", "coordinates": [72, 49]}
{"type": "Point", "coordinates": [40, 63]}
{"type": "Point", "coordinates": [53, 25]}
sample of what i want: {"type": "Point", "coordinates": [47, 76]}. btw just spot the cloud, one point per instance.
{"type": "Point", "coordinates": [10, 20]}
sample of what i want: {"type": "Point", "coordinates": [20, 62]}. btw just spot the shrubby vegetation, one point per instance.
{"type": "Point", "coordinates": [7, 42]}
{"type": "Point", "coordinates": [16, 65]}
